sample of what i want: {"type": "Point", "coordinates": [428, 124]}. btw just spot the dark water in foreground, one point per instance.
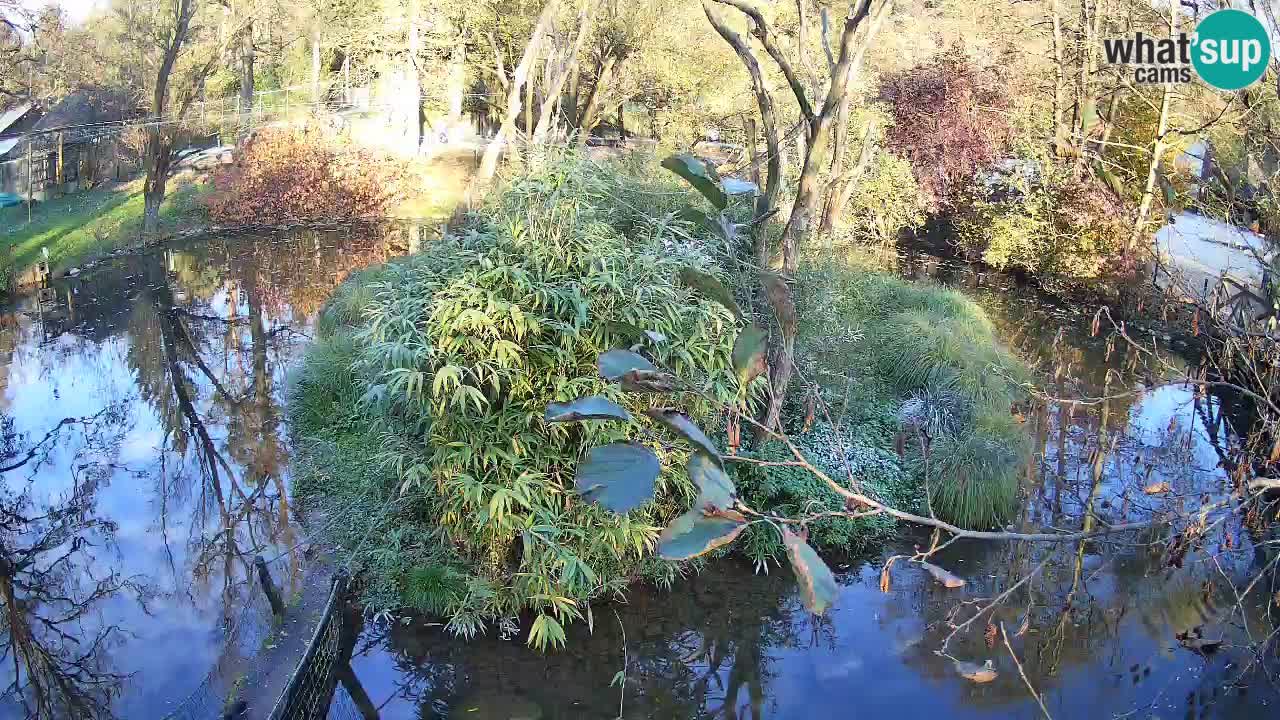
{"type": "Point", "coordinates": [173, 474]}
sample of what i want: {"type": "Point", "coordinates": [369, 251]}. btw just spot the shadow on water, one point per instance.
{"type": "Point", "coordinates": [144, 465]}
{"type": "Point", "coordinates": [142, 442]}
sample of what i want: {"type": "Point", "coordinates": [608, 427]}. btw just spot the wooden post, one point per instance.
{"type": "Point", "coordinates": [30, 179]}
{"type": "Point", "coordinates": [59, 161]}
{"type": "Point", "coordinates": [269, 587]}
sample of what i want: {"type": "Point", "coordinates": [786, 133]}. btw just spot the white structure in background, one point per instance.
{"type": "Point", "coordinates": [1197, 253]}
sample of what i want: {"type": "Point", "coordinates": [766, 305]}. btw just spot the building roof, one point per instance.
{"type": "Point", "coordinates": [7, 144]}
{"type": "Point", "coordinates": [13, 115]}
{"type": "Point", "coordinates": [85, 108]}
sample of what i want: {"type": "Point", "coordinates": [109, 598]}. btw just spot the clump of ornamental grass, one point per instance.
{"type": "Point", "coordinates": [903, 360]}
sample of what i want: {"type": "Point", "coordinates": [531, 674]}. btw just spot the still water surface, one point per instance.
{"type": "Point", "coordinates": [167, 372]}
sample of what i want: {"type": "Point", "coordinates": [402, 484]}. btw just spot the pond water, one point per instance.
{"type": "Point", "coordinates": [150, 392]}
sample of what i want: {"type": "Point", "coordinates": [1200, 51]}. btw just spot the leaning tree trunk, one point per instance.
{"type": "Point", "coordinates": [1157, 149]}
{"type": "Point", "coordinates": [810, 190]}
{"type": "Point", "coordinates": [590, 115]}
{"type": "Point", "coordinates": [551, 100]}
{"type": "Point", "coordinates": [316, 100]}
{"type": "Point", "coordinates": [1059, 79]}
{"type": "Point", "coordinates": [159, 157]}
{"type": "Point", "coordinates": [413, 79]}
{"type": "Point", "coordinates": [489, 163]}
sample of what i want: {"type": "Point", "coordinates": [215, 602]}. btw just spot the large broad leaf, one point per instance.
{"type": "Point", "coordinates": [681, 423]}
{"type": "Point", "coordinates": [616, 363]}
{"type": "Point", "coordinates": [716, 491]}
{"type": "Point", "coordinates": [694, 533]}
{"type": "Point", "coordinates": [817, 585]}
{"type": "Point", "coordinates": [701, 176]}
{"type": "Point", "coordinates": [586, 408]}
{"type": "Point", "coordinates": [619, 476]}
{"type": "Point", "coordinates": [711, 287]}
{"type": "Point", "coordinates": [748, 353]}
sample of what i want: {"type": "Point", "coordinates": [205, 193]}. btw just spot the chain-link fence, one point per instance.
{"type": "Point", "coordinates": [310, 689]}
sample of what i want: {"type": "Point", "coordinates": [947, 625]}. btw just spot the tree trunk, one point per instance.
{"type": "Point", "coordinates": [590, 115]}
{"type": "Point", "coordinates": [316, 100]}
{"type": "Point", "coordinates": [457, 78]}
{"type": "Point", "coordinates": [413, 79]}
{"type": "Point", "coordinates": [560, 76]}
{"type": "Point", "coordinates": [1157, 149]}
{"type": "Point", "coordinates": [773, 183]}
{"type": "Point", "coordinates": [159, 147]}
{"type": "Point", "coordinates": [809, 191]}
{"type": "Point", "coordinates": [489, 163]}
{"type": "Point", "coordinates": [246, 78]}
{"type": "Point", "coordinates": [842, 187]}
{"type": "Point", "coordinates": [1059, 79]}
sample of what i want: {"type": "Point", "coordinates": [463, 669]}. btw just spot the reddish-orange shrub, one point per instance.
{"type": "Point", "coordinates": [288, 175]}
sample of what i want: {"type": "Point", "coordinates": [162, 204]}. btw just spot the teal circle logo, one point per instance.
{"type": "Point", "coordinates": [1230, 49]}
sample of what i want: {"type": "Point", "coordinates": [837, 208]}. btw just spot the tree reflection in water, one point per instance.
{"type": "Point", "coordinates": [187, 347]}
{"type": "Point", "coordinates": [55, 652]}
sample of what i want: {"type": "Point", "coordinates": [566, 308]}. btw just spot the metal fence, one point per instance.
{"type": "Point", "coordinates": [310, 689]}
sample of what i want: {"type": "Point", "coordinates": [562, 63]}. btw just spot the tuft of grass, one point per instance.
{"type": "Point", "coordinates": [893, 357]}
{"type": "Point", "coordinates": [918, 351]}
{"type": "Point", "coordinates": [973, 476]}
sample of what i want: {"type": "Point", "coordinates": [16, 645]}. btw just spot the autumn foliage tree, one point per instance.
{"type": "Point", "coordinates": [948, 121]}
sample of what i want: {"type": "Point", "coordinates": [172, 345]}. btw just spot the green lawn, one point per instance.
{"type": "Point", "coordinates": [77, 226]}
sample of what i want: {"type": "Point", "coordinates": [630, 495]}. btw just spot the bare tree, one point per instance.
{"type": "Point", "coordinates": [817, 128]}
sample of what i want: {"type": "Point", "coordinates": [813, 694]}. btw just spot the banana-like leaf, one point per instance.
{"type": "Point", "coordinates": [712, 288]}
{"type": "Point", "coordinates": [694, 533]}
{"type": "Point", "coordinates": [716, 492]}
{"type": "Point", "coordinates": [700, 175]}
{"type": "Point", "coordinates": [681, 423]}
{"type": "Point", "coordinates": [594, 407]}
{"type": "Point", "coordinates": [748, 353]}
{"type": "Point", "coordinates": [818, 587]}
{"type": "Point", "coordinates": [619, 476]}
{"type": "Point", "coordinates": [616, 363]}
